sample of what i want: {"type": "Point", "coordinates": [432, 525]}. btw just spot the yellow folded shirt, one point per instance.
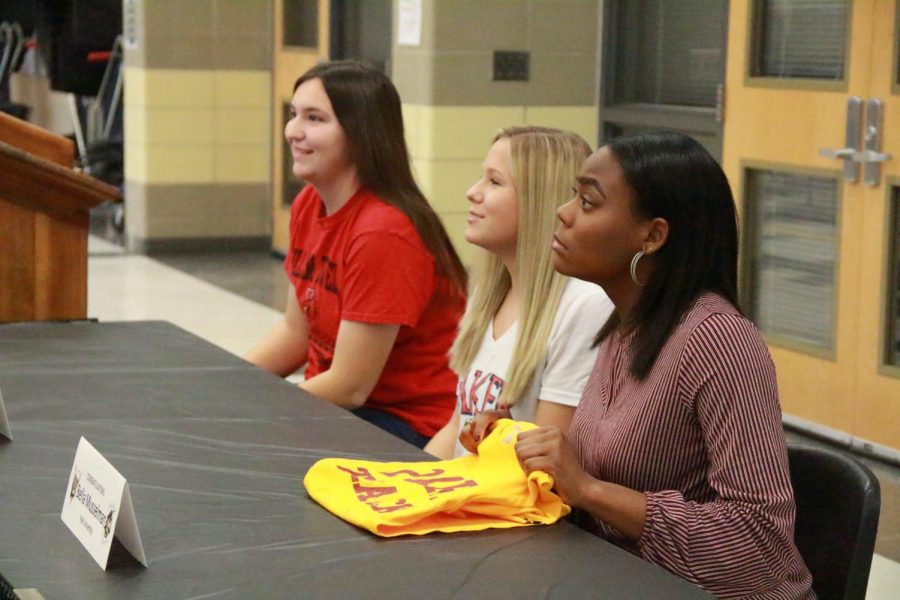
{"type": "Point", "coordinates": [465, 494]}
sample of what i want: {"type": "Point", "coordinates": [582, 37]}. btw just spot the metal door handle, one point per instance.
{"type": "Point", "coordinates": [870, 156]}
{"type": "Point", "coordinates": [851, 140]}
{"type": "Point", "coordinates": [839, 153]}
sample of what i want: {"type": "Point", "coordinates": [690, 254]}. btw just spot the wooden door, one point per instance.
{"type": "Point", "coordinates": [878, 396]}
{"type": "Point", "coordinates": [815, 244]}
{"type": "Point", "coordinates": [301, 40]}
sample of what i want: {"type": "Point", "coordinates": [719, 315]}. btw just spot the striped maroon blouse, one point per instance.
{"type": "Point", "coordinates": [702, 437]}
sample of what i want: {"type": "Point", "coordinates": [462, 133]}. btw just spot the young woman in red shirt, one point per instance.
{"type": "Point", "coordinates": [377, 288]}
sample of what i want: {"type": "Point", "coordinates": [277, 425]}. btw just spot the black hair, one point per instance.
{"type": "Point", "coordinates": [367, 106]}
{"type": "Point", "coordinates": [673, 177]}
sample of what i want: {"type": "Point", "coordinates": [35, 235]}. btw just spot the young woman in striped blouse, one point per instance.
{"type": "Point", "coordinates": [676, 450]}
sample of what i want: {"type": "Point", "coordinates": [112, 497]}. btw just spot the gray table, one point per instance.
{"type": "Point", "coordinates": [214, 451]}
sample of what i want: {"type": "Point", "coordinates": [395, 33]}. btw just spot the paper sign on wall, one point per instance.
{"type": "Point", "coordinates": [130, 23]}
{"type": "Point", "coordinates": [5, 431]}
{"type": "Point", "coordinates": [97, 506]}
{"type": "Point", "coordinates": [409, 22]}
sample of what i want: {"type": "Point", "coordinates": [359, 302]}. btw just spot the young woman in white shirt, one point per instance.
{"type": "Point", "coordinates": [524, 345]}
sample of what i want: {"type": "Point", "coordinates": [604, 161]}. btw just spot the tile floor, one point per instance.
{"type": "Point", "coordinates": [233, 298]}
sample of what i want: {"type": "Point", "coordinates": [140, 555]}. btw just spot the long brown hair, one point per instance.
{"type": "Point", "coordinates": [367, 106]}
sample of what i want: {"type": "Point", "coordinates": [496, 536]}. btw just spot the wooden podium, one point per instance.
{"type": "Point", "coordinates": [44, 208]}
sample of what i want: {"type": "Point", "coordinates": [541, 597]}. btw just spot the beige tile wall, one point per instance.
{"type": "Point", "coordinates": [453, 63]}
{"type": "Point", "coordinates": [198, 95]}
{"type": "Point", "coordinates": [203, 34]}
{"type": "Point", "coordinates": [226, 211]}
{"type": "Point", "coordinates": [212, 117]}
{"type": "Point", "coordinates": [212, 134]}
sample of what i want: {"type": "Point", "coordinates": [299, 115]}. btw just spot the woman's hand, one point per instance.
{"type": "Point", "coordinates": [479, 428]}
{"type": "Point", "coordinates": [545, 449]}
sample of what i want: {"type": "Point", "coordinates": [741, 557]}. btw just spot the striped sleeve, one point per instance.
{"type": "Point", "coordinates": [739, 543]}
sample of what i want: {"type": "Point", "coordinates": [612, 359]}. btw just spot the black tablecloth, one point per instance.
{"type": "Point", "coordinates": [214, 451]}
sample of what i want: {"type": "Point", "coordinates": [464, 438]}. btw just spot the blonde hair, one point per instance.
{"type": "Point", "coordinates": [545, 163]}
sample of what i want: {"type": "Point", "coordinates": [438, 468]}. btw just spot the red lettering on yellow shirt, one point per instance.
{"type": "Point", "coordinates": [398, 505]}
{"type": "Point", "coordinates": [411, 473]}
{"type": "Point", "coordinates": [366, 494]}
{"type": "Point", "coordinates": [357, 474]}
{"type": "Point", "coordinates": [430, 480]}
{"type": "Point", "coordinates": [432, 489]}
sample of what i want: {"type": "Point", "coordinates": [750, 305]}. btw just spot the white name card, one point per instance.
{"type": "Point", "coordinates": [5, 431]}
{"type": "Point", "coordinates": [97, 506]}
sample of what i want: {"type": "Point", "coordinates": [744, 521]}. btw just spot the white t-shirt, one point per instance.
{"type": "Point", "coordinates": [583, 309]}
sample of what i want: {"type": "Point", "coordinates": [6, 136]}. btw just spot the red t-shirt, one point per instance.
{"type": "Point", "coordinates": [367, 263]}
